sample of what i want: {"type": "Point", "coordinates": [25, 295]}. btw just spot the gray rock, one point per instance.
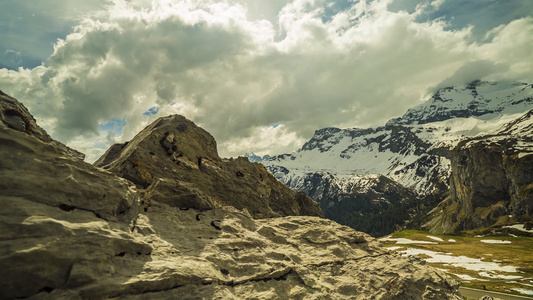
{"type": "Point", "coordinates": [60, 238]}
{"type": "Point", "coordinates": [15, 115]}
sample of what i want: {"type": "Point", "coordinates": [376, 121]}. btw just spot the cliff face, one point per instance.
{"type": "Point", "coordinates": [491, 181]}
{"type": "Point", "coordinates": [69, 230]}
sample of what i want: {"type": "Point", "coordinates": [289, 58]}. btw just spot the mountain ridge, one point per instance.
{"type": "Point", "coordinates": [414, 150]}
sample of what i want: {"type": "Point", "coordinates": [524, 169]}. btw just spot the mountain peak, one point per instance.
{"type": "Point", "coordinates": [480, 99]}
{"type": "Point", "coordinates": [177, 163]}
{"type": "Point", "coordinates": [415, 151]}
{"type": "Point", "coordinates": [252, 157]}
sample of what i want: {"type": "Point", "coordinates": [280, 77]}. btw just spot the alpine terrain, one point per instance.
{"type": "Point", "coordinates": [164, 217]}
{"type": "Point", "coordinates": [378, 180]}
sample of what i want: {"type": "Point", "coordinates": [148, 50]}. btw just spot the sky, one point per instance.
{"type": "Point", "coordinates": [259, 75]}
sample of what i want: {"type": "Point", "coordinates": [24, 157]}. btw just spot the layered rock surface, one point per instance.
{"type": "Point", "coordinates": [69, 230]}
{"type": "Point", "coordinates": [178, 164]}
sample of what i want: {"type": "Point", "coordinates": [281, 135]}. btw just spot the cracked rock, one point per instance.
{"type": "Point", "coordinates": [69, 230]}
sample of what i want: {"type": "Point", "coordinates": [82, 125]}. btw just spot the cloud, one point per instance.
{"type": "Point", "coordinates": [472, 71]}
{"type": "Point", "coordinates": [510, 46]}
{"type": "Point", "coordinates": [30, 27]}
{"type": "Point", "coordinates": [237, 68]}
{"type": "Point", "coordinates": [264, 139]}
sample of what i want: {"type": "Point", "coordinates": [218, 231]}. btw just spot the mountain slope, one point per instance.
{"type": "Point", "coordinates": [484, 100]}
{"type": "Point", "coordinates": [491, 182]}
{"type": "Point", "coordinates": [413, 150]}
{"type": "Point", "coordinates": [70, 230]}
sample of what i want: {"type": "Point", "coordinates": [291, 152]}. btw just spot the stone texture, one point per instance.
{"type": "Point", "coordinates": [491, 182]}
{"type": "Point", "coordinates": [15, 115]}
{"type": "Point", "coordinates": [178, 164]}
{"type": "Point", "coordinates": [33, 166]}
{"type": "Point", "coordinates": [60, 238]}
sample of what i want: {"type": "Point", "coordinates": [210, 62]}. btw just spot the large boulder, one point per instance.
{"type": "Point", "coordinates": [177, 163]}
{"type": "Point", "coordinates": [69, 230]}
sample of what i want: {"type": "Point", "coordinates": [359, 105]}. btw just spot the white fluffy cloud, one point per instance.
{"type": "Point", "coordinates": [238, 68]}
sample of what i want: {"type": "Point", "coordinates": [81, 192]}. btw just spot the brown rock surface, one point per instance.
{"type": "Point", "coordinates": [69, 230]}
{"type": "Point", "coordinates": [178, 164]}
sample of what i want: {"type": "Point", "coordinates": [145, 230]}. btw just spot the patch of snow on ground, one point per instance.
{"type": "Point", "coordinates": [404, 241]}
{"type": "Point", "coordinates": [468, 263]}
{"type": "Point", "coordinates": [522, 154]}
{"type": "Point", "coordinates": [394, 248]}
{"type": "Point", "coordinates": [524, 291]}
{"type": "Point", "coordinates": [468, 277]}
{"type": "Point", "coordinates": [495, 242]}
{"type": "Point", "coordinates": [499, 276]}
{"type": "Point", "coordinates": [520, 227]}
{"type": "Point", "coordinates": [438, 239]}
{"type": "Point", "coordinates": [452, 241]}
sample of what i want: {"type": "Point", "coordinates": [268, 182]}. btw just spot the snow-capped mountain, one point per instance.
{"type": "Point", "coordinates": [252, 157]}
{"type": "Point", "coordinates": [413, 150]}
{"type": "Point", "coordinates": [483, 100]}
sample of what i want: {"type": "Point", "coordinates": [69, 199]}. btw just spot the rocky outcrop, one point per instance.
{"type": "Point", "coordinates": [491, 182]}
{"type": "Point", "coordinates": [15, 115]}
{"type": "Point", "coordinates": [69, 230]}
{"type": "Point", "coordinates": [178, 164]}
{"type": "Point", "coordinates": [33, 166]}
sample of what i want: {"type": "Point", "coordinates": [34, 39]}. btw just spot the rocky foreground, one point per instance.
{"type": "Point", "coordinates": [148, 229]}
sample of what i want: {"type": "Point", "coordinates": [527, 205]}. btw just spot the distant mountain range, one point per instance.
{"type": "Point", "coordinates": [381, 179]}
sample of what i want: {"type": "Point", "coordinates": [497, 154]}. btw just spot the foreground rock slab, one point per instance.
{"type": "Point", "coordinates": [223, 253]}
{"type": "Point", "coordinates": [69, 230]}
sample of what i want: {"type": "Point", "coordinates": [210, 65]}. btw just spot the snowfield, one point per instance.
{"type": "Point", "coordinates": [520, 227]}
{"type": "Point", "coordinates": [438, 239]}
{"type": "Point", "coordinates": [404, 241]}
{"type": "Point", "coordinates": [495, 242]}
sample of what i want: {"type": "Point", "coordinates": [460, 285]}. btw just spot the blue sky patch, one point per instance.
{"type": "Point", "coordinates": [152, 111]}
{"type": "Point", "coordinates": [114, 125]}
